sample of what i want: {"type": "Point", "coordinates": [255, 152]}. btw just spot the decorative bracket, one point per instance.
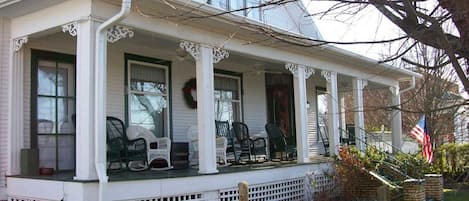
{"type": "Point", "coordinates": [308, 71]}
{"type": "Point", "coordinates": [118, 32]}
{"type": "Point", "coordinates": [394, 90]}
{"type": "Point", "coordinates": [219, 54]}
{"type": "Point", "coordinates": [364, 83]}
{"type": "Point", "coordinates": [19, 42]}
{"type": "Point", "coordinates": [71, 28]}
{"type": "Point", "coordinates": [327, 75]}
{"type": "Point", "coordinates": [293, 68]}
{"type": "Point", "coordinates": [191, 47]}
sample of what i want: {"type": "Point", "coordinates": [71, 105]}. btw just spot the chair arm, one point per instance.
{"type": "Point", "coordinates": [138, 144]}
{"type": "Point", "coordinates": [163, 143]}
{"type": "Point", "coordinates": [261, 139]}
{"type": "Point", "coordinates": [115, 141]}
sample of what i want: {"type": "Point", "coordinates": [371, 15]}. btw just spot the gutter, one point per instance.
{"type": "Point", "coordinates": [100, 94]}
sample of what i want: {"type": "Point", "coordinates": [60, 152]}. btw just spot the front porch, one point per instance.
{"type": "Point", "coordinates": [60, 100]}
{"type": "Point", "coordinates": [270, 181]}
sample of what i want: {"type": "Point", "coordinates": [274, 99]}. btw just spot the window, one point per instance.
{"type": "Point", "coordinates": [148, 100]}
{"type": "Point", "coordinates": [231, 5]}
{"type": "Point", "coordinates": [53, 109]}
{"type": "Point", "coordinates": [227, 98]}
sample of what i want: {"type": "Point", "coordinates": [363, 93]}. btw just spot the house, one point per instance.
{"type": "Point", "coordinates": [67, 64]}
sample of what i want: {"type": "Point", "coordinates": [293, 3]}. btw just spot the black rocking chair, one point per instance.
{"type": "Point", "coordinates": [121, 150]}
{"type": "Point", "coordinates": [248, 145]}
{"type": "Point", "coordinates": [277, 143]}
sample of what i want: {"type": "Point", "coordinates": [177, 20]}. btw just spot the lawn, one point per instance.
{"type": "Point", "coordinates": [453, 195]}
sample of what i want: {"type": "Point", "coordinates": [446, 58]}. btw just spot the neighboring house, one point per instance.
{"type": "Point", "coordinates": [57, 74]}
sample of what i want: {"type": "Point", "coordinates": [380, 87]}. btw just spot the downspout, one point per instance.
{"type": "Point", "coordinates": [412, 86]}
{"type": "Point", "coordinates": [100, 94]}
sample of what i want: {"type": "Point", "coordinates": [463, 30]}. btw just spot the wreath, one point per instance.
{"type": "Point", "coordinates": [187, 91]}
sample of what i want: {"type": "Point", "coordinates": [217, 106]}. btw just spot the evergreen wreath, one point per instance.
{"type": "Point", "coordinates": [186, 90]}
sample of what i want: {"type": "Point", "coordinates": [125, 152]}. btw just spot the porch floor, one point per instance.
{"type": "Point", "coordinates": [172, 173]}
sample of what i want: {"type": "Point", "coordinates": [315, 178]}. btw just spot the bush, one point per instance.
{"type": "Point", "coordinates": [451, 159]}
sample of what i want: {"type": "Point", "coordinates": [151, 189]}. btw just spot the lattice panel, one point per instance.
{"type": "Point", "coordinates": [187, 197]}
{"type": "Point", "coordinates": [320, 182]}
{"type": "Point", "coordinates": [291, 189]}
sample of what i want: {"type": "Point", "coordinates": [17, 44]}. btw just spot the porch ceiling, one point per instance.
{"type": "Point", "coordinates": [14, 8]}
{"type": "Point", "coordinates": [237, 62]}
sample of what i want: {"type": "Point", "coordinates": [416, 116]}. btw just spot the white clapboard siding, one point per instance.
{"type": "Point", "coordinates": [254, 97]}
{"type": "Point", "coordinates": [4, 79]}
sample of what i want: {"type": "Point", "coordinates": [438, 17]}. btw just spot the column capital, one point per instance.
{"type": "Point", "coordinates": [219, 54]}
{"type": "Point", "coordinates": [71, 28]}
{"type": "Point", "coordinates": [327, 75]}
{"type": "Point", "coordinates": [192, 48]}
{"type": "Point", "coordinates": [363, 84]}
{"type": "Point", "coordinates": [19, 42]}
{"type": "Point", "coordinates": [293, 68]}
{"type": "Point", "coordinates": [394, 90]}
{"type": "Point", "coordinates": [118, 32]}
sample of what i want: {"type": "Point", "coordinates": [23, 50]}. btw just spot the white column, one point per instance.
{"type": "Point", "coordinates": [396, 124]}
{"type": "Point", "coordinates": [359, 119]}
{"type": "Point", "coordinates": [343, 125]}
{"type": "Point", "coordinates": [85, 32]}
{"type": "Point", "coordinates": [205, 56]}
{"type": "Point", "coordinates": [300, 74]}
{"type": "Point", "coordinates": [333, 111]}
{"type": "Point", "coordinates": [205, 111]}
{"type": "Point", "coordinates": [15, 105]}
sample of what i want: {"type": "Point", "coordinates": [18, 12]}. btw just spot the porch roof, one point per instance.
{"type": "Point", "coordinates": [202, 16]}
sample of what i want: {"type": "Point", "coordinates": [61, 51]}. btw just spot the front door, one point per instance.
{"type": "Point", "coordinates": [280, 108]}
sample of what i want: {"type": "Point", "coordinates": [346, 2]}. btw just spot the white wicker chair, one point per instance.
{"type": "Point", "coordinates": [163, 149]}
{"type": "Point", "coordinates": [221, 145]}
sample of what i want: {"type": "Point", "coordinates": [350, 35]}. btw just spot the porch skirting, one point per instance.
{"type": "Point", "coordinates": [285, 183]}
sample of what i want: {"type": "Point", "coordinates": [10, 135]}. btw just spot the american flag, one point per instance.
{"type": "Point", "coordinates": [420, 133]}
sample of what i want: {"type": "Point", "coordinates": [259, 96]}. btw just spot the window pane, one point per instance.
{"type": "Point", "coordinates": [150, 112]}
{"type": "Point", "coordinates": [237, 4]}
{"type": "Point", "coordinates": [66, 152]}
{"type": "Point", "coordinates": [46, 115]}
{"type": "Point", "coordinates": [253, 13]}
{"type": "Point", "coordinates": [46, 78]}
{"type": "Point", "coordinates": [66, 108]}
{"type": "Point", "coordinates": [47, 156]}
{"type": "Point", "coordinates": [219, 3]}
{"type": "Point", "coordinates": [148, 79]}
{"type": "Point", "coordinates": [227, 111]}
{"type": "Point", "coordinates": [65, 80]}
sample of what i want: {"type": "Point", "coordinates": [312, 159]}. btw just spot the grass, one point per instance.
{"type": "Point", "coordinates": [454, 195]}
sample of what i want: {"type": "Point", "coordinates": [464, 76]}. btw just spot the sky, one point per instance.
{"type": "Point", "coordinates": [368, 25]}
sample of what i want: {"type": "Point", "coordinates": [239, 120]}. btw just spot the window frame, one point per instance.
{"type": "Point", "coordinates": [244, 11]}
{"type": "Point", "coordinates": [238, 78]}
{"type": "Point", "coordinates": [153, 63]}
{"type": "Point", "coordinates": [36, 56]}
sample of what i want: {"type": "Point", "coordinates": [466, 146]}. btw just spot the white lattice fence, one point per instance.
{"type": "Point", "coordinates": [318, 182]}
{"type": "Point", "coordinates": [187, 197]}
{"type": "Point", "coordinates": [291, 189]}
